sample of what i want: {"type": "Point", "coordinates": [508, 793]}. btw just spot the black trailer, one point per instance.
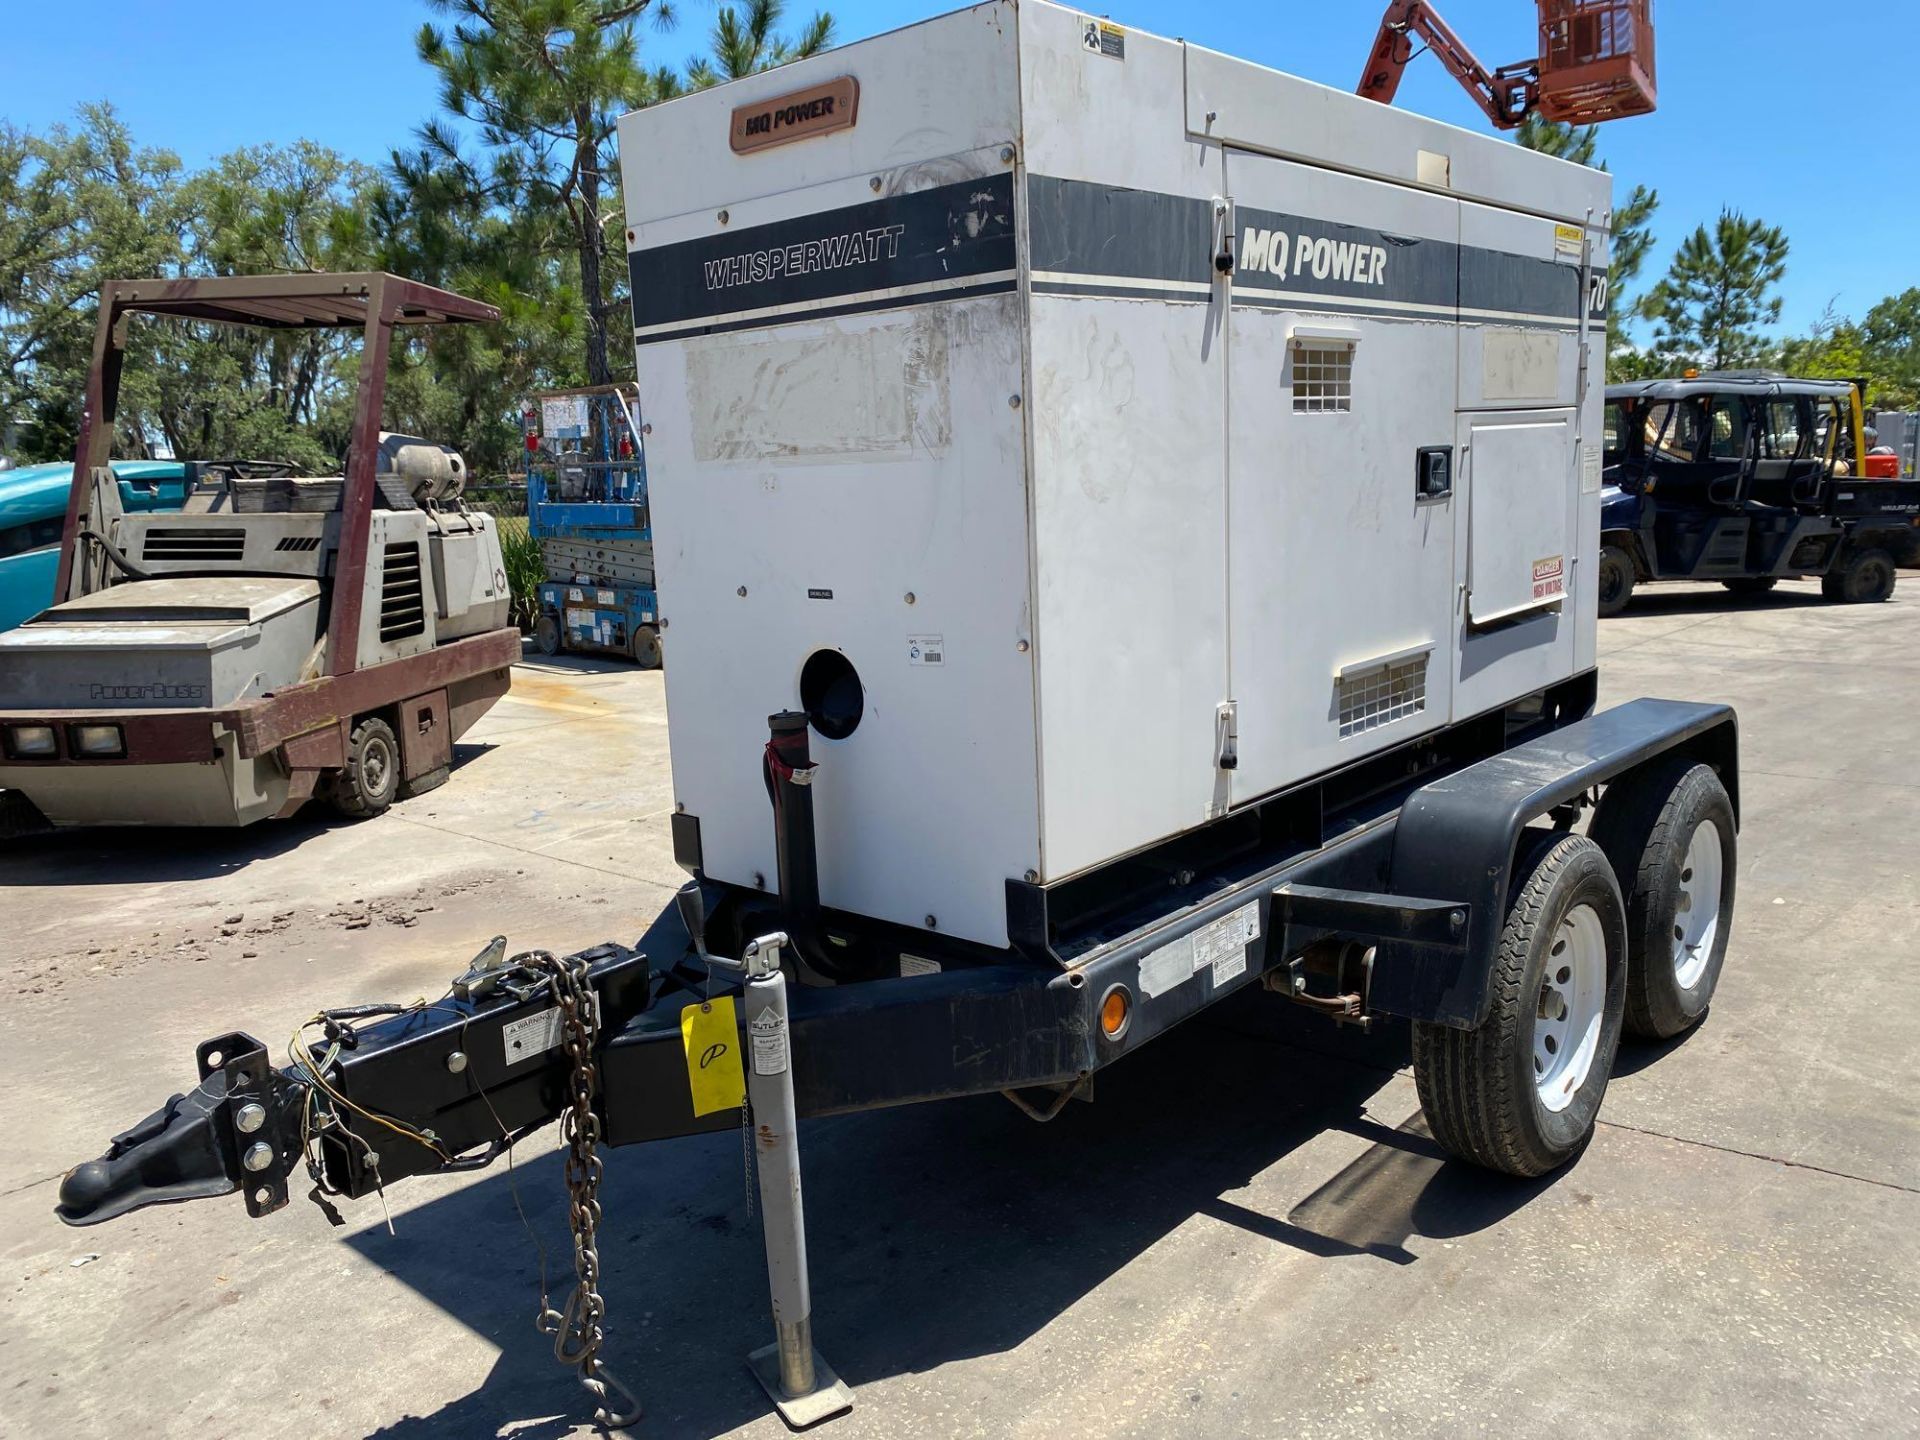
{"type": "Point", "coordinates": [1748, 478]}
{"type": "Point", "coordinates": [1523, 886]}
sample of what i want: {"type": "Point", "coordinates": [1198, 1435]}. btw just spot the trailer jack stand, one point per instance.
{"type": "Point", "coordinates": [802, 1385]}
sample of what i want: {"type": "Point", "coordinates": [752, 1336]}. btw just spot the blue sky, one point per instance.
{"type": "Point", "coordinates": [1795, 113]}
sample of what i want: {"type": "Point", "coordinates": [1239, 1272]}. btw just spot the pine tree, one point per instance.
{"type": "Point", "coordinates": [744, 42]}
{"type": "Point", "coordinates": [546, 81]}
{"type": "Point", "coordinates": [1718, 293]}
{"type": "Point", "coordinates": [1632, 225]}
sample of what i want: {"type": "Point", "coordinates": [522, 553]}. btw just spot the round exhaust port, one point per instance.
{"type": "Point", "coordinates": [831, 694]}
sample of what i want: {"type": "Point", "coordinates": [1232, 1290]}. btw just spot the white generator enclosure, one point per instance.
{"type": "Point", "coordinates": [1124, 432]}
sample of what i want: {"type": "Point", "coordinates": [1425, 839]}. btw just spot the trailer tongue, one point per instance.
{"type": "Point", "coordinates": [1108, 586]}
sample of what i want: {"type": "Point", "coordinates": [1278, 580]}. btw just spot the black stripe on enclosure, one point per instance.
{"type": "Point", "coordinates": [1495, 280]}
{"type": "Point", "coordinates": [1078, 228]}
{"type": "Point", "coordinates": [828, 310]}
{"type": "Point", "coordinates": [1326, 258]}
{"type": "Point", "coordinates": [1086, 230]}
{"type": "Point", "coordinates": [946, 233]}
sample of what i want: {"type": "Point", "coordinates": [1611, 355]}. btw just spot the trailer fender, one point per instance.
{"type": "Point", "coordinates": [1457, 838]}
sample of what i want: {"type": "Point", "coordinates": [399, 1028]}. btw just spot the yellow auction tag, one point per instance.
{"type": "Point", "coordinates": [711, 1039]}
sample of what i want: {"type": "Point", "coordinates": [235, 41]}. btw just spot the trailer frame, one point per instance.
{"type": "Point", "coordinates": [1412, 862]}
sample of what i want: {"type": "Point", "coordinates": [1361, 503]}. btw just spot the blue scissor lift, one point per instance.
{"type": "Point", "coordinates": [587, 506]}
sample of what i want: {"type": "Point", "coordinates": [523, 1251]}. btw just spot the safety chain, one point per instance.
{"type": "Point", "coordinates": [577, 1330]}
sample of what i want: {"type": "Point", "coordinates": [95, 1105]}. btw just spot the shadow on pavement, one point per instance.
{"type": "Point", "coordinates": [34, 853]}
{"type": "Point", "coordinates": [1637, 1055]}
{"type": "Point", "coordinates": [937, 1232]}
{"type": "Point", "coordinates": [152, 855]}
{"type": "Point", "coordinates": [1662, 600]}
{"type": "Point", "coordinates": [569, 662]}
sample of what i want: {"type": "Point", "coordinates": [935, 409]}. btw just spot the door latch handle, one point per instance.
{"type": "Point", "coordinates": [1223, 260]}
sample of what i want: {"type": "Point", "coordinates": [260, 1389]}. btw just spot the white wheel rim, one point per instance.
{"type": "Point", "coordinates": [1571, 1007]}
{"type": "Point", "coordinates": [1696, 909]}
{"type": "Point", "coordinates": [374, 767]}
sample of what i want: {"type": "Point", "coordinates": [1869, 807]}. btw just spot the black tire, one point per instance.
{"type": "Point", "coordinates": [367, 783]}
{"type": "Point", "coordinates": [1751, 584]}
{"type": "Point", "coordinates": [1478, 1086]}
{"type": "Point", "coordinates": [1616, 577]}
{"type": "Point", "coordinates": [645, 647]}
{"type": "Point", "coordinates": [548, 636]}
{"type": "Point", "coordinates": [1645, 823]}
{"type": "Point", "coordinates": [1862, 577]}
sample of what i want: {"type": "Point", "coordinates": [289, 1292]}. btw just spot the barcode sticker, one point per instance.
{"type": "Point", "coordinates": [1222, 946]}
{"type": "Point", "coordinates": [926, 650]}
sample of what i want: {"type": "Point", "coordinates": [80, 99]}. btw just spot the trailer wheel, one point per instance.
{"type": "Point", "coordinates": [1862, 577]}
{"type": "Point", "coordinates": [367, 783]}
{"type": "Point", "coordinates": [546, 634]}
{"type": "Point", "coordinates": [1751, 584]}
{"type": "Point", "coordinates": [1519, 1093]}
{"type": "Point", "coordinates": [645, 646]}
{"type": "Point", "coordinates": [1670, 835]}
{"type": "Point", "coordinates": [1616, 579]}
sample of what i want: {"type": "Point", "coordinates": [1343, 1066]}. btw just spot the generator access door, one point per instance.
{"type": "Point", "coordinates": [1521, 496]}
{"type": "Point", "coordinates": [1341, 405]}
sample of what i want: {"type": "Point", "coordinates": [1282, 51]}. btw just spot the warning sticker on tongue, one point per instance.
{"type": "Point", "coordinates": [1222, 945]}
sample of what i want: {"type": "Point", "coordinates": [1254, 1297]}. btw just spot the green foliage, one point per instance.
{"type": "Point", "coordinates": [1891, 337]}
{"type": "Point", "coordinates": [744, 42]}
{"type": "Point", "coordinates": [78, 206]}
{"type": "Point", "coordinates": [1632, 232]}
{"type": "Point", "coordinates": [1718, 293]}
{"type": "Point", "coordinates": [544, 81]}
{"type": "Point", "coordinates": [526, 568]}
{"type": "Point", "coordinates": [1883, 350]}
{"type": "Point", "coordinates": [1835, 349]}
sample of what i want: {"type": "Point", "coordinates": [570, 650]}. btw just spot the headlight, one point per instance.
{"type": "Point", "coordinates": [26, 742]}
{"type": "Point", "coordinates": [98, 742]}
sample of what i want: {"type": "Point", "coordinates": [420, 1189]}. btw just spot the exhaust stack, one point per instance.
{"type": "Point", "coordinates": [789, 770]}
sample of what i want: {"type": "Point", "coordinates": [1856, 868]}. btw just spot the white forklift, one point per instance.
{"type": "Point", "coordinates": [280, 637]}
{"type": "Point", "coordinates": [953, 344]}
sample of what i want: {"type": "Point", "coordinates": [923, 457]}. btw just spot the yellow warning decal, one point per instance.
{"type": "Point", "coordinates": [711, 1037]}
{"type": "Point", "coordinates": [1103, 37]}
{"type": "Point", "coordinates": [1567, 240]}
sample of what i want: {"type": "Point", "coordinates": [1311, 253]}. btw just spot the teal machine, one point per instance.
{"type": "Point", "coordinates": [587, 508]}
{"type": "Point", "coordinates": [33, 508]}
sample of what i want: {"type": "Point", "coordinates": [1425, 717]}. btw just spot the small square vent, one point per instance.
{"type": "Point", "coordinates": [1322, 377]}
{"type": "Point", "coordinates": [1381, 692]}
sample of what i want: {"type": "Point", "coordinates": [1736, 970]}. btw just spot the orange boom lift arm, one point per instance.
{"type": "Point", "coordinates": [1595, 62]}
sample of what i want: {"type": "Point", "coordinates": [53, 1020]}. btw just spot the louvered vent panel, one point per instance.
{"type": "Point", "coordinates": [402, 601]}
{"type": "Point", "coordinates": [182, 542]}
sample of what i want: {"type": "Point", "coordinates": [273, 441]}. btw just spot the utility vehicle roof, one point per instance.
{"type": "Point", "coordinates": [1729, 382]}
{"type": "Point", "coordinates": [295, 302]}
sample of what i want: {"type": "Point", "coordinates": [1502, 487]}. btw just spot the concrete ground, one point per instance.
{"type": "Point", "coordinates": [1247, 1234]}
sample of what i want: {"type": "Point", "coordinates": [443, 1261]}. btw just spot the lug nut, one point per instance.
{"type": "Point", "coordinates": [249, 1118]}
{"type": "Point", "coordinates": [259, 1156]}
